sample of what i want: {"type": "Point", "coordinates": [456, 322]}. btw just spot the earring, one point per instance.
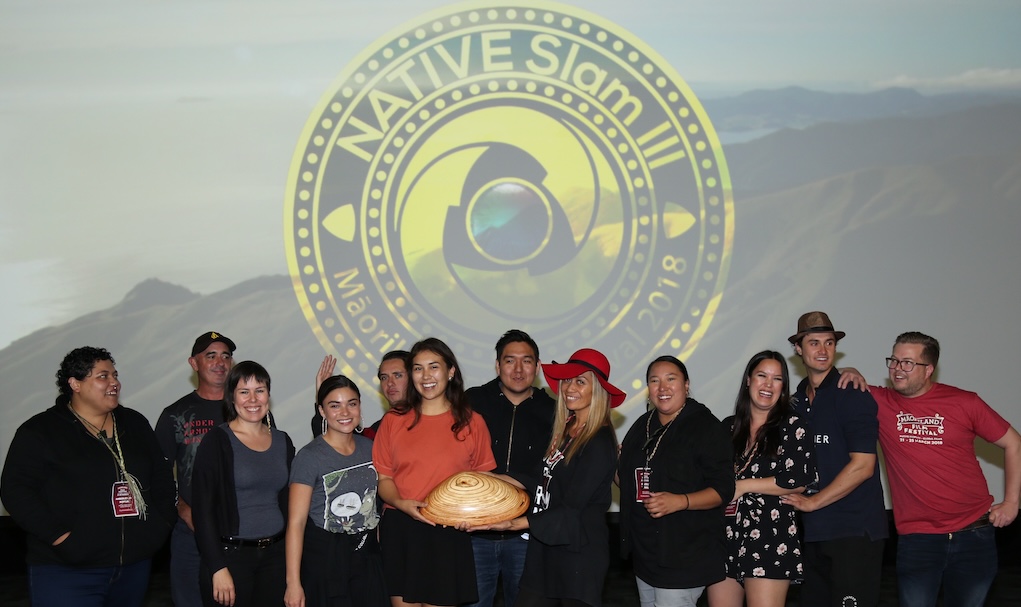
{"type": "Point", "coordinates": [359, 428]}
{"type": "Point", "coordinates": [324, 427]}
{"type": "Point", "coordinates": [269, 420]}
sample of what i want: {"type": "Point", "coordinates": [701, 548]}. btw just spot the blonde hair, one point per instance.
{"type": "Point", "coordinates": [599, 416]}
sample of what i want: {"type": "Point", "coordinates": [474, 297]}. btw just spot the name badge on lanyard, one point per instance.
{"type": "Point", "coordinates": [731, 509]}
{"type": "Point", "coordinates": [642, 491]}
{"type": "Point", "coordinates": [123, 502]}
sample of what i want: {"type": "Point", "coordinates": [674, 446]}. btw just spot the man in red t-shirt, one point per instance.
{"type": "Point", "coordinates": [944, 513]}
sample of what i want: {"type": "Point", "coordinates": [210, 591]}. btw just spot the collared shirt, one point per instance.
{"type": "Point", "coordinates": [842, 422]}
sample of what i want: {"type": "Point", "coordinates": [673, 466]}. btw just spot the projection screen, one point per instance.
{"type": "Point", "coordinates": [646, 178]}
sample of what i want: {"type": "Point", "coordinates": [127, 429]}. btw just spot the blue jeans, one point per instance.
{"type": "Point", "coordinates": [964, 562]}
{"type": "Point", "coordinates": [184, 567]}
{"type": "Point", "coordinates": [62, 586]}
{"type": "Point", "coordinates": [494, 557]}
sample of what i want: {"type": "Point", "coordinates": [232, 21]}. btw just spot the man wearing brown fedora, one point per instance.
{"type": "Point", "coordinates": [179, 430]}
{"type": "Point", "coordinates": [844, 519]}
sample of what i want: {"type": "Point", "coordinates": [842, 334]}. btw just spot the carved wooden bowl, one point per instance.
{"type": "Point", "coordinates": [474, 498]}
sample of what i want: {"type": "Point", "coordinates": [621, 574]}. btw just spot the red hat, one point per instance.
{"type": "Point", "coordinates": [581, 361]}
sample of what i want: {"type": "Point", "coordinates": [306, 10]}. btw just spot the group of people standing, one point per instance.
{"type": "Point", "coordinates": [786, 490]}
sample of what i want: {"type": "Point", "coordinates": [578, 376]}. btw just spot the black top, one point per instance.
{"type": "Point", "coordinates": [179, 430]}
{"type": "Point", "coordinates": [569, 551]}
{"type": "Point", "coordinates": [519, 434]}
{"type": "Point", "coordinates": [684, 549]}
{"type": "Point", "coordinates": [842, 421]}
{"type": "Point", "coordinates": [215, 511]}
{"type": "Point", "coordinates": [58, 478]}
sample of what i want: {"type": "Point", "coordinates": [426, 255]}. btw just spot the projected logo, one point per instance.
{"type": "Point", "coordinates": [512, 166]}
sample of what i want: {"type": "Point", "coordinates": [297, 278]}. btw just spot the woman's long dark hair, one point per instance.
{"type": "Point", "coordinates": [459, 406]}
{"type": "Point", "coordinates": [767, 440]}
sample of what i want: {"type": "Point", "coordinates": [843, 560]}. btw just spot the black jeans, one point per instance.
{"type": "Point", "coordinates": [259, 576]}
{"type": "Point", "coordinates": [529, 599]}
{"type": "Point", "coordinates": [844, 572]}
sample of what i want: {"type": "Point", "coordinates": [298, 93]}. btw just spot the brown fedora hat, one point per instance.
{"type": "Point", "coordinates": [814, 322]}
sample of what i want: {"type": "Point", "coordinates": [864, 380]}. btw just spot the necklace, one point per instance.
{"type": "Point", "coordinates": [563, 440]}
{"type": "Point", "coordinates": [658, 435]}
{"type": "Point", "coordinates": [744, 459]}
{"type": "Point", "coordinates": [114, 447]}
{"type": "Point", "coordinates": [99, 432]}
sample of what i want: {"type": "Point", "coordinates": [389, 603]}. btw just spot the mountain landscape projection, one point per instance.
{"type": "Point", "coordinates": [892, 219]}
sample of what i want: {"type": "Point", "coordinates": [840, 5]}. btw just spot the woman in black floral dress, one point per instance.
{"type": "Point", "coordinates": [772, 457]}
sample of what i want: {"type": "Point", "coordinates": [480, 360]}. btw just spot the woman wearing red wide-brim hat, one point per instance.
{"type": "Point", "coordinates": [568, 547]}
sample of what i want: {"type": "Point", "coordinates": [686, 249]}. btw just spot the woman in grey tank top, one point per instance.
{"type": "Point", "coordinates": [239, 487]}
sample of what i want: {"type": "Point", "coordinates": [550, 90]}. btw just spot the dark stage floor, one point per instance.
{"type": "Point", "coordinates": [619, 590]}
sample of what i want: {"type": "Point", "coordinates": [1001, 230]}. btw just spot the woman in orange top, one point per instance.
{"type": "Point", "coordinates": [420, 443]}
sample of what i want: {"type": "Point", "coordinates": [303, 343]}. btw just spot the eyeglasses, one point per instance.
{"type": "Point", "coordinates": [905, 365]}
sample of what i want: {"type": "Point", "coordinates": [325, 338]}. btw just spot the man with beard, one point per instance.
{"type": "Point", "coordinates": [179, 430]}
{"type": "Point", "coordinates": [944, 513]}
{"type": "Point", "coordinates": [520, 420]}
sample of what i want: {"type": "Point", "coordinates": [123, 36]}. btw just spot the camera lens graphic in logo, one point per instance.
{"type": "Point", "coordinates": [529, 166]}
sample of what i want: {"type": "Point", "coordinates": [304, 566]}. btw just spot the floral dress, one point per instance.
{"type": "Point", "coordinates": [762, 535]}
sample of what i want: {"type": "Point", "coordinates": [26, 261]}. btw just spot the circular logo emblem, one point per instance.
{"type": "Point", "coordinates": [522, 166]}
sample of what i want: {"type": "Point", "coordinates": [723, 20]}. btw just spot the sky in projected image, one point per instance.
{"type": "Point", "coordinates": [153, 140]}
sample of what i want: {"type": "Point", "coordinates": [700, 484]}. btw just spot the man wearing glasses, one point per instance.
{"type": "Point", "coordinates": [845, 524]}
{"type": "Point", "coordinates": [944, 513]}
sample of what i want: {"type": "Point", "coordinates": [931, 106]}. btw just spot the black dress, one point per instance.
{"type": "Point", "coordinates": [762, 536]}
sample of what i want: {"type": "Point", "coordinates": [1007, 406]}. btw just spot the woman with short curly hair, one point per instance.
{"type": "Point", "coordinates": [88, 483]}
